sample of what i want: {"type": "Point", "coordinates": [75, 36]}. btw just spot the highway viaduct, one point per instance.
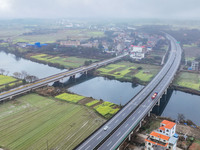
{"type": "Point", "coordinates": [45, 81]}
{"type": "Point", "coordinates": [121, 126]}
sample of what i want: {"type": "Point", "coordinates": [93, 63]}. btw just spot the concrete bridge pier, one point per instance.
{"type": "Point", "coordinates": [85, 73]}
{"type": "Point", "coordinates": [158, 104]}
{"type": "Point", "coordinates": [149, 113]}
{"type": "Point", "coordinates": [10, 97]}
{"type": "Point", "coordinates": [129, 137]}
{"type": "Point", "coordinates": [73, 77]}
{"type": "Point", "coordinates": [166, 92]}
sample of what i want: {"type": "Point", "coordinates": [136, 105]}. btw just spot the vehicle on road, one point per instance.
{"type": "Point", "coordinates": [105, 128]}
{"type": "Point", "coordinates": [154, 95]}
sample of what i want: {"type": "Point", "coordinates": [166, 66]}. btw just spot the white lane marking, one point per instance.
{"type": "Point", "coordinates": [116, 120]}
{"type": "Point", "coordinates": [126, 125]}
{"type": "Point", "coordinates": [139, 111]}
{"type": "Point", "coordinates": [118, 133]}
{"type": "Point", "coordinates": [133, 118]}
{"type": "Point", "coordinates": [123, 114]}
{"type": "Point", "coordinates": [98, 137]}
{"type": "Point", "coordinates": [109, 143]}
{"type": "Point", "coordinates": [88, 147]}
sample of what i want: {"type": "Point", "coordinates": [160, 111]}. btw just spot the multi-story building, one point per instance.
{"type": "Point", "coordinates": [137, 52]}
{"type": "Point", "coordinates": [163, 138]}
{"type": "Point", "coordinates": [195, 65]}
{"type": "Point", "coordinates": [70, 43]}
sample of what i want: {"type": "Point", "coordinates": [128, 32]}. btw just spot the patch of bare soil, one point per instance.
{"type": "Point", "coordinates": [48, 91]}
{"type": "Point", "coordinates": [189, 131]}
{"type": "Point", "coordinates": [100, 102]}
{"type": "Point", "coordinates": [85, 100]}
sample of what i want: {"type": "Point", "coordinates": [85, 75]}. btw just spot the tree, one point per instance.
{"type": "Point", "coordinates": [181, 117]}
{"type": "Point", "coordinates": [17, 75]}
{"type": "Point", "coordinates": [30, 78]}
{"type": "Point", "coordinates": [2, 71]}
{"type": "Point", "coordinates": [87, 62]}
{"type": "Point", "coordinates": [24, 74]}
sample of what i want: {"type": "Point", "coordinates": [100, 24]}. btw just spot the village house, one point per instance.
{"type": "Point", "coordinates": [164, 138]}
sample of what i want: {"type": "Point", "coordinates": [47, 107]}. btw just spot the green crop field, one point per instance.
{"type": "Point", "coordinates": [106, 109]}
{"type": "Point", "coordinates": [92, 103]}
{"type": "Point", "coordinates": [68, 62]}
{"type": "Point", "coordinates": [127, 70]}
{"type": "Point", "coordinates": [36, 122]}
{"type": "Point", "coordinates": [188, 80]}
{"type": "Point", "coordinates": [6, 79]}
{"type": "Point", "coordinates": [8, 82]}
{"type": "Point", "coordinates": [70, 97]}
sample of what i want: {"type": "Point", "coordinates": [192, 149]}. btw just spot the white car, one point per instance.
{"type": "Point", "coordinates": [105, 128]}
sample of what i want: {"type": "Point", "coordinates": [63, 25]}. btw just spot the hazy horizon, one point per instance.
{"type": "Point", "coordinates": [126, 9]}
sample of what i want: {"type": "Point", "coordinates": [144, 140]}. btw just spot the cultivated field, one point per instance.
{"type": "Point", "coordinates": [188, 80]}
{"type": "Point", "coordinates": [73, 34]}
{"type": "Point", "coordinates": [191, 51]}
{"type": "Point", "coordinates": [127, 71]}
{"type": "Point", "coordinates": [68, 62]}
{"type": "Point", "coordinates": [36, 122]}
{"type": "Point", "coordinates": [6, 81]}
{"type": "Point", "coordinates": [106, 109]}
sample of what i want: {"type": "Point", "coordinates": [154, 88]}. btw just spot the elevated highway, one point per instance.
{"type": "Point", "coordinates": [45, 81]}
{"type": "Point", "coordinates": [131, 115]}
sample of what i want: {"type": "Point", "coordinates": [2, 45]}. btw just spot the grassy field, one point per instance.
{"type": "Point", "coordinates": [68, 62]}
{"type": "Point", "coordinates": [60, 35]}
{"type": "Point", "coordinates": [8, 81]}
{"type": "Point", "coordinates": [188, 80]}
{"type": "Point", "coordinates": [36, 122]}
{"type": "Point", "coordinates": [127, 71]}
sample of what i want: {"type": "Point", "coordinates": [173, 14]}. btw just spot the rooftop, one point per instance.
{"type": "Point", "coordinates": [168, 124]}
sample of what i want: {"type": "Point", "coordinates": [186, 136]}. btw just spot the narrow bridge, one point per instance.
{"type": "Point", "coordinates": [45, 81]}
{"type": "Point", "coordinates": [121, 126]}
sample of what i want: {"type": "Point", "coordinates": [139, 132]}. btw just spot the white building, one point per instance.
{"type": "Point", "coordinates": [162, 138]}
{"type": "Point", "coordinates": [195, 65]}
{"type": "Point", "coordinates": [137, 52]}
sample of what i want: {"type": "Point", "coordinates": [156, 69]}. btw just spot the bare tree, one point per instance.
{"type": "Point", "coordinates": [17, 75]}
{"type": "Point", "coordinates": [24, 74]}
{"type": "Point", "coordinates": [181, 117]}
{"type": "Point", "coordinates": [2, 71]}
{"type": "Point", "coordinates": [30, 78]}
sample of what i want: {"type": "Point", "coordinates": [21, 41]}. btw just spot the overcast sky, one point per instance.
{"type": "Point", "coordinates": [170, 9]}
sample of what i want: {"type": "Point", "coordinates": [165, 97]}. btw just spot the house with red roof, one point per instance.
{"type": "Point", "coordinates": [163, 138]}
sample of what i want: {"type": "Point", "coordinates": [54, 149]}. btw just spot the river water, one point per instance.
{"type": "Point", "coordinates": [11, 63]}
{"type": "Point", "coordinates": [109, 90]}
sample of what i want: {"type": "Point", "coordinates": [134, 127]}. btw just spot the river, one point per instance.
{"type": "Point", "coordinates": [11, 63]}
{"type": "Point", "coordinates": [109, 90]}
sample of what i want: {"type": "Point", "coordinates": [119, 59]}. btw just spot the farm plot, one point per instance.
{"type": "Point", "coordinates": [128, 71]}
{"type": "Point", "coordinates": [8, 82]}
{"type": "Point", "coordinates": [188, 80]}
{"type": "Point", "coordinates": [68, 62]}
{"type": "Point", "coordinates": [36, 122]}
